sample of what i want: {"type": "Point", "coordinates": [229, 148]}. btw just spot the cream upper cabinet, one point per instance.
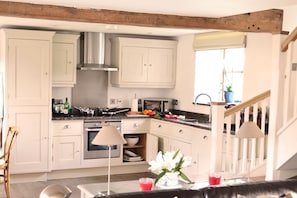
{"type": "Point", "coordinates": [64, 60]}
{"type": "Point", "coordinates": [143, 62]}
{"type": "Point", "coordinates": [26, 61]}
{"type": "Point", "coordinates": [29, 66]}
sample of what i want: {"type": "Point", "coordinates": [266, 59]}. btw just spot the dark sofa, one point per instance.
{"type": "Point", "coordinates": [251, 190]}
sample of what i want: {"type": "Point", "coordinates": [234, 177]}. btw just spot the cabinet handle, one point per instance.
{"type": "Point", "coordinates": [180, 131]}
{"type": "Point", "coordinates": [194, 162]}
{"type": "Point", "coordinates": [150, 65]}
{"type": "Point", "coordinates": [66, 126]}
{"type": "Point", "coordinates": [205, 137]}
{"type": "Point", "coordinates": [135, 124]}
{"type": "Point", "coordinates": [159, 126]}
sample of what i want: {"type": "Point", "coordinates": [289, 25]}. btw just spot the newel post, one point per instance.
{"type": "Point", "coordinates": [217, 128]}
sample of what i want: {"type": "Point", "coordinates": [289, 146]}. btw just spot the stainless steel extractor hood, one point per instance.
{"type": "Point", "coordinates": [92, 52]}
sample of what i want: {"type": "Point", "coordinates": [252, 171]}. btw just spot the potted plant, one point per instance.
{"type": "Point", "coordinates": [229, 94]}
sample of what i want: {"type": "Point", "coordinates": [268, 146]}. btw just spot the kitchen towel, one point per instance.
{"type": "Point", "coordinates": [134, 105]}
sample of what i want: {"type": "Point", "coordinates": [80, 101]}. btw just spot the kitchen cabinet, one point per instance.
{"type": "Point", "coordinates": [143, 62]}
{"type": "Point", "coordinates": [64, 60]}
{"type": "Point", "coordinates": [201, 152]}
{"type": "Point", "coordinates": [30, 151]}
{"type": "Point", "coordinates": [28, 69]}
{"type": "Point", "coordinates": [138, 127]}
{"type": "Point", "coordinates": [191, 141]}
{"type": "Point", "coordinates": [67, 140]}
{"type": "Point", "coordinates": [26, 63]}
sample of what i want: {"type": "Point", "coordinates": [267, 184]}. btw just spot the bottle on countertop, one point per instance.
{"type": "Point", "coordinates": [66, 106]}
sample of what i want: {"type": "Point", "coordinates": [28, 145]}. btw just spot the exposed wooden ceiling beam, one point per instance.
{"type": "Point", "coordinates": [262, 21]}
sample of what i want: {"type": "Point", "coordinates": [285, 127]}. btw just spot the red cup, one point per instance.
{"type": "Point", "coordinates": [214, 179]}
{"type": "Point", "coordinates": [146, 184]}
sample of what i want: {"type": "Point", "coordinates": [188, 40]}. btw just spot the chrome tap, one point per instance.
{"type": "Point", "coordinates": [210, 107]}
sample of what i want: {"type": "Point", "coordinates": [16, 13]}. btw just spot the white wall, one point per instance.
{"type": "Point", "coordinates": [185, 76]}
{"type": "Point", "coordinates": [289, 18]}
{"type": "Point", "coordinates": [257, 68]}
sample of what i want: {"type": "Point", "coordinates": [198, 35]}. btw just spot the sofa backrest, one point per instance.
{"type": "Point", "coordinates": [168, 193]}
{"type": "Point", "coordinates": [243, 190]}
{"type": "Point", "coordinates": [252, 189]}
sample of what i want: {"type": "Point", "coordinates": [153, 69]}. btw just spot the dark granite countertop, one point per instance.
{"type": "Point", "coordinates": [197, 120]}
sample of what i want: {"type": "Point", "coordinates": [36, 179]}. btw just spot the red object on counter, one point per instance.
{"type": "Point", "coordinates": [214, 180]}
{"type": "Point", "coordinates": [169, 116]}
{"type": "Point", "coordinates": [145, 184]}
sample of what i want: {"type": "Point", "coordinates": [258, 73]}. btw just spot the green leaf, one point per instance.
{"type": "Point", "coordinates": [159, 176]}
{"type": "Point", "coordinates": [175, 154]}
{"type": "Point", "coordinates": [179, 164]}
{"type": "Point", "coordinates": [184, 177]}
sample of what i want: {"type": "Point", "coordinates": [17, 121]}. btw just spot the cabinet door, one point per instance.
{"type": "Point", "coordinates": [201, 152]}
{"type": "Point", "coordinates": [66, 152]}
{"type": "Point", "coordinates": [161, 67]}
{"type": "Point", "coordinates": [152, 147]}
{"type": "Point", "coordinates": [185, 148]}
{"type": "Point", "coordinates": [28, 72]}
{"type": "Point", "coordinates": [30, 151]}
{"type": "Point", "coordinates": [134, 64]}
{"type": "Point", "coordinates": [64, 64]}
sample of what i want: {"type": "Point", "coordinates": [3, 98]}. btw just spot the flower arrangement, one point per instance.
{"type": "Point", "coordinates": [170, 162]}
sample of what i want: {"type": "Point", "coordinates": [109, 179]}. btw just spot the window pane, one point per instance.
{"type": "Point", "coordinates": [215, 69]}
{"type": "Point", "coordinates": [209, 65]}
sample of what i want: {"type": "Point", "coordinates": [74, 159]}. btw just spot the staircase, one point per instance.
{"type": "Point", "coordinates": [275, 112]}
{"type": "Point", "coordinates": [242, 156]}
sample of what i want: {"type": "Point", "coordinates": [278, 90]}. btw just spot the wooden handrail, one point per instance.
{"type": "Point", "coordinates": [290, 38]}
{"type": "Point", "coordinates": [247, 103]}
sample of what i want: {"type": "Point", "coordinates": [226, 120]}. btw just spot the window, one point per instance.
{"type": "Point", "coordinates": [216, 69]}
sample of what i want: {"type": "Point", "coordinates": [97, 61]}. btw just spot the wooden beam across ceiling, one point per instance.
{"type": "Point", "coordinates": [261, 21]}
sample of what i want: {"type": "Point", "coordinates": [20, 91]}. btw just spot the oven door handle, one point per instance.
{"type": "Point", "coordinates": [92, 129]}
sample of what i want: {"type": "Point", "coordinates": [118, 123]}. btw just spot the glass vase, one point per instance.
{"type": "Point", "coordinates": [169, 180]}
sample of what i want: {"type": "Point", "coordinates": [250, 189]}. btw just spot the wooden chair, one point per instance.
{"type": "Point", "coordinates": [4, 159]}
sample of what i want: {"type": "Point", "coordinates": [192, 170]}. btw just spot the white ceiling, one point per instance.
{"type": "Point", "coordinates": [202, 8]}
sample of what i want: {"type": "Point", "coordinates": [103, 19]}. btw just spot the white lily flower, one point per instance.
{"type": "Point", "coordinates": [169, 162]}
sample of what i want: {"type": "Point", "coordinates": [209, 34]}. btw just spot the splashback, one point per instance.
{"type": "Point", "coordinates": [90, 89]}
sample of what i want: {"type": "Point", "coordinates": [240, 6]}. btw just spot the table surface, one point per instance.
{"type": "Point", "coordinates": [90, 190]}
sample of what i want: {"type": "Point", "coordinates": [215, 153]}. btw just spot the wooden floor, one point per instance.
{"type": "Point", "coordinates": [33, 189]}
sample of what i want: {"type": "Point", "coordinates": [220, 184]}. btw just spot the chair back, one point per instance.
{"type": "Point", "coordinates": [10, 138]}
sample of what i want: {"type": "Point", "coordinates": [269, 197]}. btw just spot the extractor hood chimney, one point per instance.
{"type": "Point", "coordinates": [92, 52]}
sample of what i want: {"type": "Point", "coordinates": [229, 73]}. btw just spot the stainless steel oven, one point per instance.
{"type": "Point", "coordinates": [91, 129]}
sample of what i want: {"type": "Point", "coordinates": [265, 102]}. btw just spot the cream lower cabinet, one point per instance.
{"type": "Point", "coordinates": [201, 151]}
{"type": "Point", "coordinates": [147, 147]}
{"type": "Point", "coordinates": [64, 60]}
{"type": "Point", "coordinates": [66, 147]}
{"type": "Point", "coordinates": [191, 141]}
{"type": "Point", "coordinates": [143, 62]}
{"type": "Point", "coordinates": [30, 151]}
